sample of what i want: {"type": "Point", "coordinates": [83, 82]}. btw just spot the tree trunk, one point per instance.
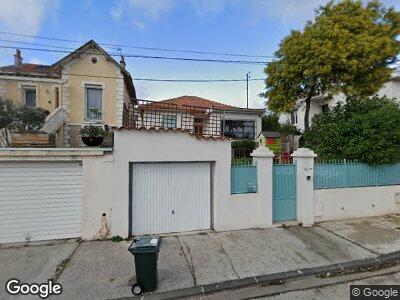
{"type": "Point", "coordinates": [307, 112]}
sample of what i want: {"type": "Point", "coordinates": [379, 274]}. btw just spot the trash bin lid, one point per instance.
{"type": "Point", "coordinates": [146, 244]}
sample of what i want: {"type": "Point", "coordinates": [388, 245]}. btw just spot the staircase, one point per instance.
{"type": "Point", "coordinates": [54, 121]}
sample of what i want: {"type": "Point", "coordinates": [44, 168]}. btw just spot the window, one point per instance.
{"type": "Point", "coordinates": [237, 129]}
{"type": "Point", "coordinates": [293, 118]}
{"type": "Point", "coordinates": [30, 97]}
{"type": "Point", "coordinates": [93, 103]}
{"type": "Point", "coordinates": [198, 125]}
{"type": "Point", "coordinates": [325, 108]}
{"type": "Point", "coordinates": [169, 121]}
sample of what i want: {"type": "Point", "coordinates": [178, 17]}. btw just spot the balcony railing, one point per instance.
{"type": "Point", "coordinates": [197, 120]}
{"type": "Point", "coordinates": [93, 115]}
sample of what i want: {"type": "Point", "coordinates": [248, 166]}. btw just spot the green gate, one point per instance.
{"type": "Point", "coordinates": [284, 192]}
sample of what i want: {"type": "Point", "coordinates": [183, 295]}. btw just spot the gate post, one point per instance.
{"type": "Point", "coordinates": [304, 159]}
{"type": "Point", "coordinates": [263, 157]}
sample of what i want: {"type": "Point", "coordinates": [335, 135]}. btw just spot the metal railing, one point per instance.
{"type": "Point", "coordinates": [151, 114]}
{"type": "Point", "coordinates": [345, 174]}
{"type": "Point", "coordinates": [93, 115]}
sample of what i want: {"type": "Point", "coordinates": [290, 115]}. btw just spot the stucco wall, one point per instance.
{"type": "Point", "coordinates": [77, 95]}
{"type": "Point", "coordinates": [97, 168]}
{"type": "Point", "coordinates": [346, 203]}
{"type": "Point", "coordinates": [229, 211]}
{"type": "Point", "coordinates": [97, 193]}
{"type": "Point", "coordinates": [45, 91]}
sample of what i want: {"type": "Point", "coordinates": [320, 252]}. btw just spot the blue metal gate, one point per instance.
{"type": "Point", "coordinates": [284, 192]}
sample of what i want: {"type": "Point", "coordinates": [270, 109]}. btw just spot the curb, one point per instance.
{"type": "Point", "coordinates": [355, 266]}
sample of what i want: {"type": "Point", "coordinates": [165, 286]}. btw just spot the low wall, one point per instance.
{"type": "Point", "coordinates": [347, 203]}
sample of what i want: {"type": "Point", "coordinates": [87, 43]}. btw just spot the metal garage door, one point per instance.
{"type": "Point", "coordinates": [170, 197]}
{"type": "Point", "coordinates": [40, 200]}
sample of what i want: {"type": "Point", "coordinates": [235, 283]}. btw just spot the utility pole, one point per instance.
{"type": "Point", "coordinates": [247, 88]}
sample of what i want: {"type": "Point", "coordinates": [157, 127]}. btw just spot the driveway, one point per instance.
{"type": "Point", "coordinates": [105, 269]}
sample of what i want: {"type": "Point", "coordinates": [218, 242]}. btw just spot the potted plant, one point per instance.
{"type": "Point", "coordinates": [92, 135]}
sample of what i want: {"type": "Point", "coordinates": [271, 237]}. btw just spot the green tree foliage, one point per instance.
{"type": "Point", "coordinates": [20, 117]}
{"type": "Point", "coordinates": [366, 129]}
{"type": "Point", "coordinates": [244, 144]}
{"type": "Point", "coordinates": [29, 118]}
{"type": "Point", "coordinates": [7, 112]}
{"type": "Point", "coordinates": [347, 48]}
{"type": "Point", "coordinates": [271, 123]}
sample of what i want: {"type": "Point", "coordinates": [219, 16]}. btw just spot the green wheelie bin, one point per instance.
{"type": "Point", "coordinates": [145, 251]}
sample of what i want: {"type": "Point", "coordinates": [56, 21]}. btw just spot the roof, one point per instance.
{"type": "Point", "coordinates": [196, 101]}
{"type": "Point", "coordinates": [186, 100]}
{"type": "Point", "coordinates": [54, 71]}
{"type": "Point", "coordinates": [270, 134]}
{"type": "Point", "coordinates": [30, 70]}
{"type": "Point", "coordinates": [178, 130]}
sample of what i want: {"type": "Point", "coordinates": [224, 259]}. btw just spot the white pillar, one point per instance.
{"type": "Point", "coordinates": [304, 159]}
{"type": "Point", "coordinates": [263, 157]}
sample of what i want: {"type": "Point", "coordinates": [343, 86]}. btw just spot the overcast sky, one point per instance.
{"type": "Point", "coordinates": [229, 26]}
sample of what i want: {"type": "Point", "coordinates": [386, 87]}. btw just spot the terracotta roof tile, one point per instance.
{"type": "Point", "coordinates": [196, 101]}
{"type": "Point", "coordinates": [34, 70]}
{"type": "Point", "coordinates": [208, 137]}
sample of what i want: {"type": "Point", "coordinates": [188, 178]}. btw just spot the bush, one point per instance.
{"type": "Point", "coordinates": [364, 129]}
{"type": "Point", "coordinates": [7, 112]}
{"type": "Point", "coordinates": [29, 118]}
{"type": "Point", "coordinates": [92, 131]}
{"type": "Point", "coordinates": [244, 144]}
{"type": "Point", "coordinates": [20, 117]}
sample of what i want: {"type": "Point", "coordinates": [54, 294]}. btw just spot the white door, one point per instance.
{"type": "Point", "coordinates": [40, 201]}
{"type": "Point", "coordinates": [170, 197]}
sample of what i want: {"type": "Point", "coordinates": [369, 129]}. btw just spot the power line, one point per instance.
{"type": "Point", "coordinates": [117, 46]}
{"type": "Point", "coordinates": [198, 80]}
{"type": "Point", "coordinates": [248, 62]}
{"type": "Point", "coordinates": [168, 80]}
{"type": "Point", "coordinates": [171, 80]}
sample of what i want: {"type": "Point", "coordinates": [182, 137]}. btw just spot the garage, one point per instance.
{"type": "Point", "coordinates": [169, 197]}
{"type": "Point", "coordinates": [40, 200]}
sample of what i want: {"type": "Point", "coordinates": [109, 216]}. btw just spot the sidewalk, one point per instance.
{"type": "Point", "coordinates": [104, 269]}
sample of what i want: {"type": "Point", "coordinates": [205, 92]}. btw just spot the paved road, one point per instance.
{"type": "Point", "coordinates": [104, 269]}
{"type": "Point", "coordinates": [337, 291]}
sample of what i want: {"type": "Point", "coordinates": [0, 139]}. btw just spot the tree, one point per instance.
{"type": "Point", "coordinates": [366, 129]}
{"type": "Point", "coordinates": [270, 122]}
{"type": "Point", "coordinates": [7, 113]}
{"type": "Point", "coordinates": [348, 48]}
{"type": "Point", "coordinates": [29, 118]}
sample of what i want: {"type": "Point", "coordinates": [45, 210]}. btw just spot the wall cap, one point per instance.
{"type": "Point", "coordinates": [303, 152]}
{"type": "Point", "coordinates": [51, 152]}
{"type": "Point", "coordinates": [262, 151]}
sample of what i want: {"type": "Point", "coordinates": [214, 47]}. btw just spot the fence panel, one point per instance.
{"type": "Point", "coordinates": [284, 192]}
{"type": "Point", "coordinates": [243, 179]}
{"type": "Point", "coordinates": [342, 175]}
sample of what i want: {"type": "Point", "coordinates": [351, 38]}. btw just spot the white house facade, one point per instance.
{"type": "Point", "coordinates": [390, 89]}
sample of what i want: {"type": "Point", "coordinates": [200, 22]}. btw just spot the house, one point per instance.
{"type": "Point", "coordinates": [319, 104]}
{"type": "Point", "coordinates": [87, 86]}
{"type": "Point", "coordinates": [197, 115]}
{"type": "Point", "coordinates": [272, 140]}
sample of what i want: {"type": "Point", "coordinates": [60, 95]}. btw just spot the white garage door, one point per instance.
{"type": "Point", "coordinates": [170, 197]}
{"type": "Point", "coordinates": [40, 200]}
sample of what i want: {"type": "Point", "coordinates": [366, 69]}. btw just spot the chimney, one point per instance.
{"type": "Point", "coordinates": [17, 58]}
{"type": "Point", "coordinates": [122, 62]}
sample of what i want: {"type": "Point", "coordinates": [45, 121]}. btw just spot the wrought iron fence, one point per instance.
{"type": "Point", "coordinates": [197, 120]}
